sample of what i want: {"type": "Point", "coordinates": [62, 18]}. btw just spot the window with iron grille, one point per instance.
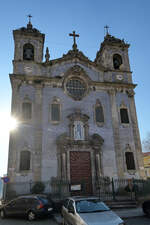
{"type": "Point", "coordinates": [130, 161]}
{"type": "Point", "coordinates": [24, 160]}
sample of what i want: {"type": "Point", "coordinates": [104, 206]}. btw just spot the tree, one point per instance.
{"type": "Point", "coordinates": [146, 143]}
{"type": "Point", "coordinates": [38, 188]}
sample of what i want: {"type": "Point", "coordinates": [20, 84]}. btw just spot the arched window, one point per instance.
{"type": "Point", "coordinates": [99, 115]}
{"type": "Point", "coordinates": [55, 110]}
{"type": "Point", "coordinates": [130, 161]}
{"type": "Point", "coordinates": [26, 110]}
{"type": "Point", "coordinates": [28, 52]}
{"type": "Point", "coordinates": [124, 115]}
{"type": "Point", "coordinates": [24, 160]}
{"type": "Point", "coordinates": [117, 61]}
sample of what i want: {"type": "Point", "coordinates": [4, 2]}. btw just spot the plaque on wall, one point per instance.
{"type": "Point", "coordinates": [75, 187]}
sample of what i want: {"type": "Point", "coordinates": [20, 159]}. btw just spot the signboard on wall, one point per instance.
{"type": "Point", "coordinates": [75, 187]}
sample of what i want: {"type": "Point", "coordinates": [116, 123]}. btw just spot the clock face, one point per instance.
{"type": "Point", "coordinates": [119, 77]}
{"type": "Point", "coordinates": [28, 69]}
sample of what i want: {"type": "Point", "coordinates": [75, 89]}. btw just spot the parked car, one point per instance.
{"type": "Point", "coordinates": [31, 207]}
{"type": "Point", "coordinates": [88, 211]}
{"type": "Point", "coordinates": [146, 207]}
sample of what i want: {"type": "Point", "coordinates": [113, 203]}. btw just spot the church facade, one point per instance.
{"type": "Point", "coordinates": [77, 117]}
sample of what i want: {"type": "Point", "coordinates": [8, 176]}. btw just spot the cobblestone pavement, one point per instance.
{"type": "Point", "coordinates": [142, 220]}
{"type": "Point", "coordinates": [12, 221]}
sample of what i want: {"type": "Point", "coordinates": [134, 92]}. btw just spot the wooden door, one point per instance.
{"type": "Point", "coordinates": [80, 171]}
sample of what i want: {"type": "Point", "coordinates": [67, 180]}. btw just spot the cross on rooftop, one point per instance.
{"type": "Point", "coordinates": [29, 18]}
{"type": "Point", "coordinates": [74, 35]}
{"type": "Point", "coordinates": [106, 28]}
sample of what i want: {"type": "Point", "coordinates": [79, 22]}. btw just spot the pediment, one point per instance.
{"type": "Point", "coordinates": [75, 56]}
{"type": "Point", "coordinates": [77, 115]}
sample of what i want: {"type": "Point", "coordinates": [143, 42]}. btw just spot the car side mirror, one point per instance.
{"type": "Point", "coordinates": [71, 211]}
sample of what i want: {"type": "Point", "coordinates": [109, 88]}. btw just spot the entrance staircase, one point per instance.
{"type": "Point", "coordinates": [124, 204]}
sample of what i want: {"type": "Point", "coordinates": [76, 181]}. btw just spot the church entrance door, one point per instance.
{"type": "Point", "coordinates": [80, 171]}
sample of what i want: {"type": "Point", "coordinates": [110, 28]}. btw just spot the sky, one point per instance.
{"type": "Point", "coordinates": [129, 19]}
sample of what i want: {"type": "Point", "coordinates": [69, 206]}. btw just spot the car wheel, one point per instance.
{"type": "Point", "coordinates": [2, 214]}
{"type": "Point", "coordinates": [31, 216]}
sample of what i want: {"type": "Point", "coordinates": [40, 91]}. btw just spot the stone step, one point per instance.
{"type": "Point", "coordinates": [122, 204]}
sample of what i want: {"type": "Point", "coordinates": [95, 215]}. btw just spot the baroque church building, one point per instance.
{"type": "Point", "coordinates": [77, 117]}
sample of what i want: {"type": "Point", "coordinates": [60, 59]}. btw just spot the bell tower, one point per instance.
{"type": "Point", "coordinates": [113, 54]}
{"type": "Point", "coordinates": [29, 44]}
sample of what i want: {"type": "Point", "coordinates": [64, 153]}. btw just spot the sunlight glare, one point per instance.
{"type": "Point", "coordinates": [13, 124]}
{"type": "Point", "coordinates": [8, 123]}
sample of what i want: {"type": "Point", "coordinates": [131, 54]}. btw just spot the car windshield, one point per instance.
{"type": "Point", "coordinates": [91, 205]}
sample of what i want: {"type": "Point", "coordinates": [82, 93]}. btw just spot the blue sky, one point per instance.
{"type": "Point", "coordinates": [128, 19]}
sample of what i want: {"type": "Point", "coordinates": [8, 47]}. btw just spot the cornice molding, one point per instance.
{"type": "Point", "coordinates": [51, 80]}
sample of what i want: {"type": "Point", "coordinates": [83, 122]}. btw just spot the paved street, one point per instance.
{"type": "Point", "coordinates": [143, 220]}
{"type": "Point", "coordinates": [130, 221]}
{"type": "Point", "coordinates": [10, 221]}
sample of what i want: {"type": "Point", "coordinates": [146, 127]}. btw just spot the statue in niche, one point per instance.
{"type": "Point", "coordinates": [78, 130]}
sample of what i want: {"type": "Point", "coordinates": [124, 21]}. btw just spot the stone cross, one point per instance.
{"type": "Point", "coordinates": [74, 35]}
{"type": "Point", "coordinates": [107, 27]}
{"type": "Point", "coordinates": [29, 18]}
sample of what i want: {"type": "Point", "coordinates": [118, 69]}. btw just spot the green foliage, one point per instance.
{"type": "Point", "coordinates": [38, 188]}
{"type": "Point", "coordinates": [133, 188]}
{"type": "Point", "coordinates": [121, 191]}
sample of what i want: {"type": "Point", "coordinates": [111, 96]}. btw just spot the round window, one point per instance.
{"type": "Point", "coordinates": [76, 88]}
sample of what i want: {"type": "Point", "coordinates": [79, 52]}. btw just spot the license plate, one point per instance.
{"type": "Point", "coordinates": [50, 209]}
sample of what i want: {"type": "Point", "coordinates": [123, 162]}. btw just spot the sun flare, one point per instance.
{"type": "Point", "coordinates": [13, 123]}
{"type": "Point", "coordinates": [8, 123]}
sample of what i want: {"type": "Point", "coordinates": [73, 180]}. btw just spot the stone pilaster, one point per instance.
{"type": "Point", "coordinates": [37, 115]}
{"type": "Point", "coordinates": [98, 165]}
{"type": "Point", "coordinates": [15, 101]}
{"type": "Point", "coordinates": [136, 134]}
{"type": "Point", "coordinates": [15, 112]}
{"type": "Point", "coordinates": [115, 125]}
{"type": "Point", "coordinates": [64, 165]}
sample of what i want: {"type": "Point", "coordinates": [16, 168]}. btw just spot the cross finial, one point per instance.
{"type": "Point", "coordinates": [74, 35]}
{"type": "Point", "coordinates": [106, 28]}
{"type": "Point", "coordinates": [29, 16]}
{"type": "Point", "coordinates": [29, 25]}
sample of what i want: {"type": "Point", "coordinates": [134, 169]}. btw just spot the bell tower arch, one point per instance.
{"type": "Point", "coordinates": [113, 54]}
{"type": "Point", "coordinates": [29, 44]}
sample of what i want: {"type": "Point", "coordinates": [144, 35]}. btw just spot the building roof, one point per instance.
{"type": "Point", "coordinates": [146, 154]}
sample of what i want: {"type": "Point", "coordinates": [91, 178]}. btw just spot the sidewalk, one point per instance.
{"type": "Point", "coordinates": [126, 213]}
{"type": "Point", "coordinates": [123, 213]}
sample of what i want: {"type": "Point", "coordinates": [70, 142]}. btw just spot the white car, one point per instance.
{"type": "Point", "coordinates": [88, 211]}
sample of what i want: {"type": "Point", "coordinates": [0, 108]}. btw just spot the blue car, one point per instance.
{"type": "Point", "coordinates": [31, 207]}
